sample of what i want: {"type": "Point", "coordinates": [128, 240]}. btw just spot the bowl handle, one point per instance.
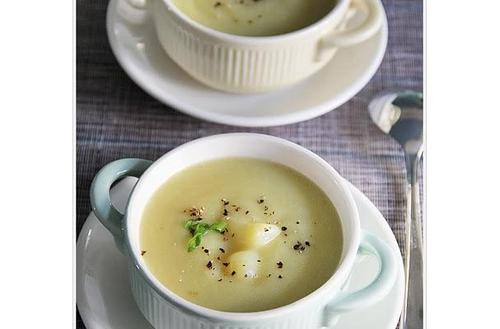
{"type": "Point", "coordinates": [365, 30]}
{"type": "Point", "coordinates": [373, 292]}
{"type": "Point", "coordinates": [99, 192]}
{"type": "Point", "coordinates": [133, 11]}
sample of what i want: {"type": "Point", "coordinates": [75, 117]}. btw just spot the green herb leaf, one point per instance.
{"type": "Point", "coordinates": [191, 224]}
{"type": "Point", "coordinates": [219, 226]}
{"type": "Point", "coordinates": [198, 229]}
{"type": "Point", "coordinates": [194, 242]}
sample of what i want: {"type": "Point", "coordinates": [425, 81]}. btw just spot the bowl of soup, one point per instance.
{"type": "Point", "coordinates": [256, 45]}
{"type": "Point", "coordinates": [240, 231]}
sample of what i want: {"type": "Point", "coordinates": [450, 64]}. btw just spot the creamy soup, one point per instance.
{"type": "Point", "coordinates": [241, 235]}
{"type": "Point", "coordinates": [256, 17]}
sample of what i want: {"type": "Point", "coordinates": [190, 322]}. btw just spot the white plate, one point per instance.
{"type": "Point", "coordinates": [143, 59]}
{"type": "Point", "coordinates": [105, 301]}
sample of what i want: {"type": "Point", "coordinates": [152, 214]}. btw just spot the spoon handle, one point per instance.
{"type": "Point", "coordinates": [412, 316]}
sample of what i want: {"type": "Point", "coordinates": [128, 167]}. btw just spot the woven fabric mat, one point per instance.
{"type": "Point", "coordinates": [116, 119]}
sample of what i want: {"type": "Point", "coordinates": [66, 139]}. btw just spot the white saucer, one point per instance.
{"type": "Point", "coordinates": [143, 59]}
{"type": "Point", "coordinates": [105, 301]}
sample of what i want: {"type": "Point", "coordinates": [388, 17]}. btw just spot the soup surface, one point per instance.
{"type": "Point", "coordinates": [241, 235]}
{"type": "Point", "coordinates": [256, 17]}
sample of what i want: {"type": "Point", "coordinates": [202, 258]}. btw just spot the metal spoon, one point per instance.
{"type": "Point", "coordinates": [400, 115]}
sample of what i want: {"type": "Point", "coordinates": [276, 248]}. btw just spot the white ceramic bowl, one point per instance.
{"type": "Point", "coordinates": [165, 310]}
{"type": "Point", "coordinates": [253, 64]}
